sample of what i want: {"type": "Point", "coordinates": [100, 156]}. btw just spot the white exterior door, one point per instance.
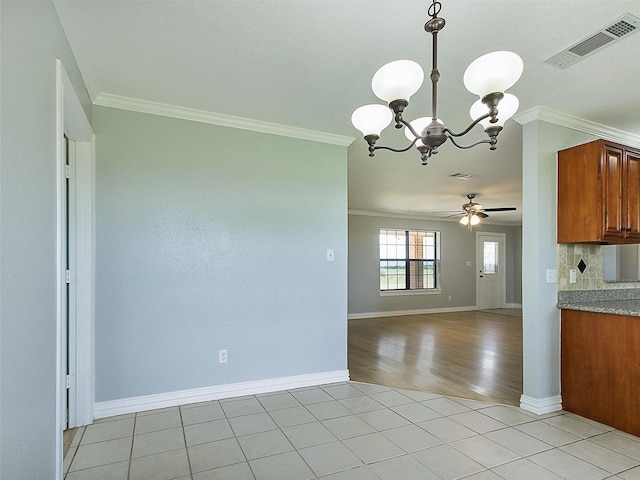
{"type": "Point", "coordinates": [490, 261]}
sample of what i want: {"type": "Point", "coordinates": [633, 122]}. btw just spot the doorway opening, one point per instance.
{"type": "Point", "coordinates": [75, 174]}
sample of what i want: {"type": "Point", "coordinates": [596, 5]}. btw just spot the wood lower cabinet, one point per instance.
{"type": "Point", "coordinates": [600, 367]}
{"type": "Point", "coordinates": [599, 193]}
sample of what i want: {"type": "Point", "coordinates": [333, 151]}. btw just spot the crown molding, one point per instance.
{"type": "Point", "coordinates": [415, 216]}
{"type": "Point", "coordinates": [203, 116]}
{"type": "Point", "coordinates": [564, 120]}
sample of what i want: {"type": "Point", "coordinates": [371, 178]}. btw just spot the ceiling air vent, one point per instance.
{"type": "Point", "coordinates": [462, 176]}
{"type": "Point", "coordinates": [612, 32]}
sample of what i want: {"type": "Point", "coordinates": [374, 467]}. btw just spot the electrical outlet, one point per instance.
{"type": "Point", "coordinates": [572, 276]}
{"type": "Point", "coordinates": [222, 356]}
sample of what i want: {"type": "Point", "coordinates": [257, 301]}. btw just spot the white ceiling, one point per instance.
{"type": "Point", "coordinates": [309, 63]}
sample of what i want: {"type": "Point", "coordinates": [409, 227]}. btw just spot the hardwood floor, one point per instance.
{"type": "Point", "coordinates": [474, 354]}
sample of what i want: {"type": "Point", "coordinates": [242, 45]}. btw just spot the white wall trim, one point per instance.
{"type": "Point", "coordinates": [396, 313]}
{"type": "Point", "coordinates": [415, 216]}
{"type": "Point", "coordinates": [513, 305]}
{"type": "Point", "coordinates": [540, 406]}
{"type": "Point", "coordinates": [72, 120]}
{"type": "Point", "coordinates": [183, 397]}
{"type": "Point", "coordinates": [562, 119]}
{"type": "Point", "coordinates": [61, 79]}
{"type": "Point", "coordinates": [186, 113]}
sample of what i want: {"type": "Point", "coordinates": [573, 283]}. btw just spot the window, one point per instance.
{"type": "Point", "coordinates": [490, 260]}
{"type": "Point", "coordinates": [409, 259]}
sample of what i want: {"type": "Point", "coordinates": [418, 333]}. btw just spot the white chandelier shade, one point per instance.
{"type": "Point", "coordinates": [397, 80]}
{"type": "Point", "coordinates": [493, 72]}
{"type": "Point", "coordinates": [508, 108]}
{"type": "Point", "coordinates": [371, 119]}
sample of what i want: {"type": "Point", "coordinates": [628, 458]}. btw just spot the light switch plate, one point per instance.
{"type": "Point", "coordinates": [330, 255]}
{"type": "Point", "coordinates": [552, 275]}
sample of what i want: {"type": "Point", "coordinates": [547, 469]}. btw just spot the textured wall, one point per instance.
{"type": "Point", "coordinates": [214, 238]}
{"type": "Point", "coordinates": [540, 317]}
{"type": "Point", "coordinates": [457, 279]}
{"type": "Point", "coordinates": [31, 41]}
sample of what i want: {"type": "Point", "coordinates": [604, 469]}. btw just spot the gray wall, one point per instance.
{"type": "Point", "coordinates": [540, 317]}
{"type": "Point", "coordinates": [214, 238]}
{"type": "Point", "coordinates": [457, 280]}
{"type": "Point", "coordinates": [31, 39]}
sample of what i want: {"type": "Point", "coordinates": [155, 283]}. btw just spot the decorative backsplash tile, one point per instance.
{"type": "Point", "coordinates": [586, 260]}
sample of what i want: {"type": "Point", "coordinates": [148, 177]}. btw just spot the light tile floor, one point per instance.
{"type": "Point", "coordinates": [350, 431]}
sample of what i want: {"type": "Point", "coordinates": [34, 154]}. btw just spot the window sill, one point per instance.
{"type": "Point", "coordinates": [395, 293]}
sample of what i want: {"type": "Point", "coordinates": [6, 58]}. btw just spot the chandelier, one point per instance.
{"type": "Point", "coordinates": [489, 77]}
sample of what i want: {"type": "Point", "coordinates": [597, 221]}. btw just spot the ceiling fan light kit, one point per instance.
{"type": "Point", "coordinates": [473, 212]}
{"type": "Point", "coordinates": [489, 77]}
{"type": "Point", "coordinates": [470, 219]}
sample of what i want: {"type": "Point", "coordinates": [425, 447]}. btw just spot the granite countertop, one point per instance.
{"type": "Point", "coordinates": [614, 301]}
{"type": "Point", "coordinates": [615, 307]}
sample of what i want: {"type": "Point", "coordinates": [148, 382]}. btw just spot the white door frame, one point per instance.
{"type": "Point", "coordinates": [503, 264]}
{"type": "Point", "coordinates": [72, 122]}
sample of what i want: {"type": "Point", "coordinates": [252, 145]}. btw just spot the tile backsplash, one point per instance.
{"type": "Point", "coordinates": [569, 257]}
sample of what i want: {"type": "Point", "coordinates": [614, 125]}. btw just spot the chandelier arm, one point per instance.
{"type": "Point", "coordinates": [397, 150]}
{"type": "Point", "coordinates": [479, 142]}
{"type": "Point", "coordinates": [416, 135]}
{"type": "Point", "coordinates": [468, 129]}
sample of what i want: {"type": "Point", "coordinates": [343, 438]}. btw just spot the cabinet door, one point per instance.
{"type": "Point", "coordinates": [580, 193]}
{"type": "Point", "coordinates": [600, 370]}
{"type": "Point", "coordinates": [612, 179]}
{"type": "Point", "coordinates": [632, 194]}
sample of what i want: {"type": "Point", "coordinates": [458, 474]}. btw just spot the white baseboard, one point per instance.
{"type": "Point", "coordinates": [540, 406]}
{"type": "Point", "coordinates": [513, 305]}
{"type": "Point", "coordinates": [395, 313]}
{"type": "Point", "coordinates": [171, 399]}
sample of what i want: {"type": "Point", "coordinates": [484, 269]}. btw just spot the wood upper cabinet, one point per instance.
{"type": "Point", "coordinates": [599, 193]}
{"type": "Point", "coordinates": [631, 188]}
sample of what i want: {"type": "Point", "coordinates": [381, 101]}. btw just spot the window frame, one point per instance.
{"type": "Point", "coordinates": [409, 261]}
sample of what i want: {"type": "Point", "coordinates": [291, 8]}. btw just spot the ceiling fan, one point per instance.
{"type": "Point", "coordinates": [473, 212]}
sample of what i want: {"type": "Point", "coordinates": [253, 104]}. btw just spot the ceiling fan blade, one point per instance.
{"type": "Point", "coordinates": [503, 209]}
{"type": "Point", "coordinates": [482, 214]}
{"type": "Point", "coordinates": [455, 214]}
